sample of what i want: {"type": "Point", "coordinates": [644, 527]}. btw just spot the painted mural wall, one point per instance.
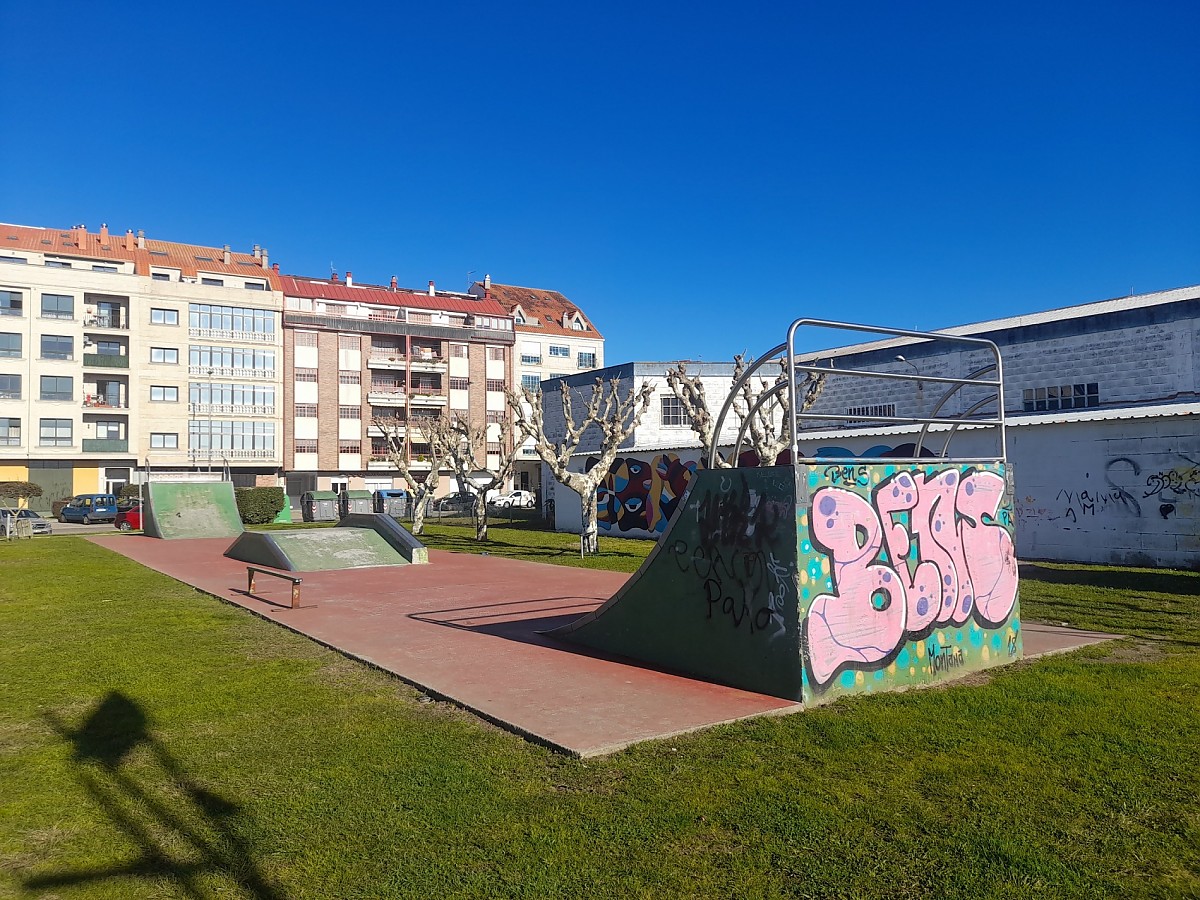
{"type": "Point", "coordinates": [908, 576]}
{"type": "Point", "coordinates": [638, 497]}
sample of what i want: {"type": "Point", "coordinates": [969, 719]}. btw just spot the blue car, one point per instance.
{"type": "Point", "coordinates": [89, 508]}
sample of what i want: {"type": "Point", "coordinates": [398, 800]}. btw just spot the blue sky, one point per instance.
{"type": "Point", "coordinates": [695, 176]}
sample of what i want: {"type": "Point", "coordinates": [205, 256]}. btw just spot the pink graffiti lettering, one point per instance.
{"type": "Point", "coordinates": [946, 560]}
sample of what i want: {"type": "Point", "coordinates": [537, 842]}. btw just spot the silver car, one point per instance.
{"type": "Point", "coordinates": [40, 525]}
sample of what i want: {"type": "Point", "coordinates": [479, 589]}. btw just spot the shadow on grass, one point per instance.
{"type": "Point", "coordinates": [1165, 582]}
{"type": "Point", "coordinates": [179, 838]}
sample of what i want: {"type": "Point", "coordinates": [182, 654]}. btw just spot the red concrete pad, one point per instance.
{"type": "Point", "coordinates": [465, 627]}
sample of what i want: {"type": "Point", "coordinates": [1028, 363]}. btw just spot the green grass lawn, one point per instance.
{"type": "Point", "coordinates": [155, 742]}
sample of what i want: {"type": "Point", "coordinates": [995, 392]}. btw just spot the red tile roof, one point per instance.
{"type": "Point", "coordinates": [317, 289]}
{"type": "Point", "coordinates": [541, 306]}
{"type": "Point", "coordinates": [83, 244]}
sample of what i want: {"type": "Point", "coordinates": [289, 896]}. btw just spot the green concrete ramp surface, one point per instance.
{"type": "Point", "coordinates": [359, 540]}
{"type": "Point", "coordinates": [175, 510]}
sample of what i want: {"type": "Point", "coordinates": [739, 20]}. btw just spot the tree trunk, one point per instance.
{"type": "Point", "coordinates": [480, 519]}
{"type": "Point", "coordinates": [589, 541]}
{"type": "Point", "coordinates": [418, 514]}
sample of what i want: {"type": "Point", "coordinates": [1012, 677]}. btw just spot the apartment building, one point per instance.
{"type": "Point", "coordinates": [118, 351]}
{"type": "Point", "coordinates": [553, 338]}
{"type": "Point", "coordinates": [354, 352]}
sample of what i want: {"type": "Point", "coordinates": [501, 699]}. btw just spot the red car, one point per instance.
{"type": "Point", "coordinates": [129, 516]}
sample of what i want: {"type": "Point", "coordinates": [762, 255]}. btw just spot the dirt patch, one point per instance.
{"type": "Point", "coordinates": [1131, 650]}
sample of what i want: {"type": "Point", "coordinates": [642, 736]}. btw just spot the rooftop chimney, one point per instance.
{"type": "Point", "coordinates": [432, 292]}
{"type": "Point", "coordinates": [80, 235]}
{"type": "Point", "coordinates": [228, 257]}
{"type": "Point", "coordinates": [128, 238]}
{"type": "Point", "coordinates": [141, 239]}
{"type": "Point", "coordinates": [257, 252]}
{"type": "Point", "coordinates": [487, 287]}
{"type": "Point", "coordinates": [349, 278]}
{"type": "Point", "coordinates": [103, 232]}
{"type": "Point", "coordinates": [333, 276]}
{"type": "Point", "coordinates": [275, 268]}
{"type": "Point", "coordinates": [264, 258]}
{"type": "Point", "coordinates": [393, 282]}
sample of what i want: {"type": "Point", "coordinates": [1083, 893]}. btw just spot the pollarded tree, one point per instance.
{"type": "Point", "coordinates": [398, 435]}
{"type": "Point", "coordinates": [465, 446]}
{"type": "Point", "coordinates": [767, 433]}
{"type": "Point", "coordinates": [14, 493]}
{"type": "Point", "coordinates": [614, 415]}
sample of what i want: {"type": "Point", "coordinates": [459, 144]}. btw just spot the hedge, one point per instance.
{"type": "Point", "coordinates": [259, 505]}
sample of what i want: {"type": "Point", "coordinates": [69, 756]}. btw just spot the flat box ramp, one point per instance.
{"type": "Point", "coordinates": [177, 510]}
{"type": "Point", "coordinates": [316, 550]}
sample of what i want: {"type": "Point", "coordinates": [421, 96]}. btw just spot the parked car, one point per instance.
{"type": "Point", "coordinates": [40, 525]}
{"type": "Point", "coordinates": [459, 501]}
{"type": "Point", "coordinates": [129, 515]}
{"type": "Point", "coordinates": [89, 508]}
{"type": "Point", "coordinates": [515, 500]}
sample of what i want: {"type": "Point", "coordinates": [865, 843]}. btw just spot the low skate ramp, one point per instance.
{"type": "Point", "coordinates": [359, 540]}
{"type": "Point", "coordinates": [175, 510]}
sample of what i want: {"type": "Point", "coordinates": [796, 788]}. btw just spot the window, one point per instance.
{"type": "Point", "coordinates": [577, 325]}
{"type": "Point", "coordinates": [673, 414]}
{"type": "Point", "coordinates": [164, 393]}
{"type": "Point", "coordinates": [243, 319]}
{"type": "Point", "coordinates": [459, 351]}
{"type": "Point", "coordinates": [108, 430]}
{"type": "Point", "coordinates": [389, 412]}
{"type": "Point", "coordinates": [532, 382]}
{"type": "Point", "coordinates": [19, 260]}
{"type": "Point", "coordinates": [254, 437]}
{"type": "Point", "coordinates": [306, 374]}
{"type": "Point", "coordinates": [495, 384]}
{"type": "Point", "coordinates": [57, 346]}
{"type": "Point", "coordinates": [58, 387]}
{"type": "Point", "coordinates": [1066, 396]}
{"type": "Point", "coordinates": [10, 432]}
{"type": "Point", "coordinates": [10, 344]}
{"type": "Point", "coordinates": [495, 354]}
{"type": "Point", "coordinates": [306, 410]}
{"type": "Point", "coordinates": [165, 355]}
{"type": "Point", "coordinates": [873, 411]}
{"type": "Point", "coordinates": [213, 282]}
{"type": "Point", "coordinates": [255, 286]}
{"type": "Point", "coordinates": [493, 447]}
{"type": "Point", "coordinates": [586, 360]}
{"type": "Point", "coordinates": [306, 338]}
{"type": "Point", "coordinates": [345, 376]}
{"type": "Point", "coordinates": [460, 384]}
{"type": "Point", "coordinates": [349, 342]}
{"type": "Point", "coordinates": [10, 387]}
{"type": "Point", "coordinates": [460, 415]}
{"type": "Point", "coordinates": [349, 412]}
{"type": "Point", "coordinates": [495, 416]}
{"type": "Point", "coordinates": [379, 448]}
{"type": "Point", "coordinates": [57, 264]}
{"type": "Point", "coordinates": [160, 276]}
{"type": "Point", "coordinates": [560, 350]}
{"type": "Point", "coordinates": [349, 447]}
{"type": "Point", "coordinates": [164, 440]}
{"type": "Point", "coordinates": [54, 432]}
{"type": "Point", "coordinates": [164, 317]}
{"type": "Point", "coordinates": [58, 306]}
{"type": "Point", "coordinates": [306, 446]}
{"type": "Point", "coordinates": [11, 303]}
{"type": "Point", "coordinates": [104, 268]}
{"type": "Point", "coordinates": [108, 348]}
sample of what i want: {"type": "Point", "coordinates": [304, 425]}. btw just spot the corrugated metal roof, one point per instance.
{"type": "Point", "coordinates": [76, 242]}
{"type": "Point", "coordinates": [315, 289]}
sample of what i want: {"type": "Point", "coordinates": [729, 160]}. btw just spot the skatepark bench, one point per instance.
{"type": "Point", "coordinates": [251, 571]}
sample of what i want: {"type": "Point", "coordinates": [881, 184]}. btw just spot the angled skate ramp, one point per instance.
{"type": "Point", "coordinates": [357, 541]}
{"type": "Point", "coordinates": [174, 510]}
{"type": "Point", "coordinates": [717, 597]}
{"type": "Point", "coordinates": [812, 582]}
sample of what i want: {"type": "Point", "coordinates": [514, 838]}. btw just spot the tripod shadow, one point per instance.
{"type": "Point", "coordinates": [183, 830]}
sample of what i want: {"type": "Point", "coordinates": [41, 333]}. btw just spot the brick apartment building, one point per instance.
{"type": "Point", "coordinates": [353, 352]}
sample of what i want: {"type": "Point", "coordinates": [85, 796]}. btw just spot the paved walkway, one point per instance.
{"type": "Point", "coordinates": [466, 628]}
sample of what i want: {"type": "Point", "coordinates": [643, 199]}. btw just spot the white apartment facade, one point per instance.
{"type": "Point", "coordinates": [118, 352]}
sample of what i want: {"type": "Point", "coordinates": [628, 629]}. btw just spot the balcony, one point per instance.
{"type": "Point", "coordinates": [105, 445]}
{"type": "Point", "coordinates": [379, 360]}
{"type": "Point", "coordinates": [376, 432]}
{"type": "Point", "coordinates": [228, 372]}
{"type": "Point", "coordinates": [225, 334]}
{"type": "Point", "coordinates": [429, 400]}
{"type": "Point", "coordinates": [376, 463]}
{"type": "Point", "coordinates": [113, 323]}
{"type": "Point", "coordinates": [103, 403]}
{"type": "Point", "coordinates": [105, 361]}
{"type": "Point", "coordinates": [386, 398]}
{"type": "Point", "coordinates": [427, 363]}
{"type": "Point", "coordinates": [232, 409]}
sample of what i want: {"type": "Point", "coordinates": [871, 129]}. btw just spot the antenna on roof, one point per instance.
{"type": "Point", "coordinates": [469, 282]}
